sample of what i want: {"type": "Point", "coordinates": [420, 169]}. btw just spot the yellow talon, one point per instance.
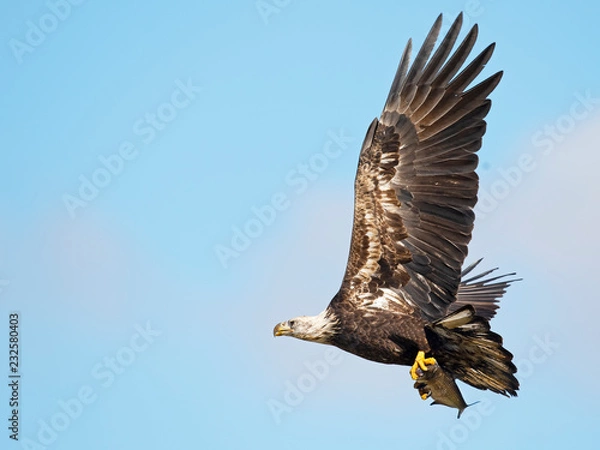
{"type": "Point", "coordinates": [424, 396]}
{"type": "Point", "coordinates": [421, 363]}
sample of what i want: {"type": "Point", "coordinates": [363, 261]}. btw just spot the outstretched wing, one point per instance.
{"type": "Point", "coordinates": [416, 185]}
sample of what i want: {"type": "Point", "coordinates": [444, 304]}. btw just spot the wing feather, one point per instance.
{"type": "Point", "coordinates": [481, 292]}
{"type": "Point", "coordinates": [416, 185]}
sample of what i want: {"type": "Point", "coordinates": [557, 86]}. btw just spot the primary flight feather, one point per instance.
{"type": "Point", "coordinates": [404, 299]}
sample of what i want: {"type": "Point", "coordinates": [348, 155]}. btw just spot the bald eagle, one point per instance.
{"type": "Point", "coordinates": [405, 298]}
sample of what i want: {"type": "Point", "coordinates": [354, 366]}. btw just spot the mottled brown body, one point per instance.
{"type": "Point", "coordinates": [385, 336]}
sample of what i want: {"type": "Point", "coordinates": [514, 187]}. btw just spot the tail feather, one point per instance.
{"type": "Point", "coordinates": [482, 294]}
{"type": "Point", "coordinates": [464, 345]}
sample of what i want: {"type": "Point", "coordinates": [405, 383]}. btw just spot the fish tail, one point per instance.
{"type": "Point", "coordinates": [464, 345]}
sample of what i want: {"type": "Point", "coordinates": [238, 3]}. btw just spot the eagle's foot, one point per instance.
{"type": "Point", "coordinates": [421, 363]}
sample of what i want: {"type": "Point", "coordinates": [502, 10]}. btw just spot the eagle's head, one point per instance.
{"type": "Point", "coordinates": [319, 328]}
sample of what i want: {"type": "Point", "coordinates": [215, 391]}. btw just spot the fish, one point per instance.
{"type": "Point", "coordinates": [441, 386]}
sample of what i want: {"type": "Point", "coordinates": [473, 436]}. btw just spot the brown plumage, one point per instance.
{"type": "Point", "coordinates": [403, 290]}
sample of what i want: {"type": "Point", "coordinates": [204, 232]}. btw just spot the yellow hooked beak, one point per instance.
{"type": "Point", "coordinates": [282, 329]}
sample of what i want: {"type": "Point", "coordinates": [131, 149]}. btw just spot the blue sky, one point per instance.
{"type": "Point", "coordinates": [139, 140]}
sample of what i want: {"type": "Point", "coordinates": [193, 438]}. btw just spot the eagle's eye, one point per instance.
{"type": "Point", "coordinates": [291, 323]}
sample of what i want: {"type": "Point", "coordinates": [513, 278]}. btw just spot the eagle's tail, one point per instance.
{"type": "Point", "coordinates": [481, 291]}
{"type": "Point", "coordinates": [464, 345]}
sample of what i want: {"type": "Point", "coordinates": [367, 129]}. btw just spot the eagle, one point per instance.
{"type": "Point", "coordinates": [406, 297]}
